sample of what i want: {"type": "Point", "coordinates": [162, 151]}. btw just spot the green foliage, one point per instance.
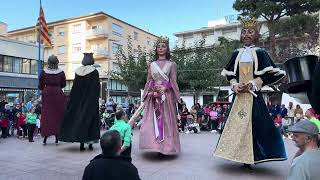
{"type": "Point", "coordinates": [132, 67]}
{"type": "Point", "coordinates": [272, 10]}
{"type": "Point", "coordinates": [198, 68]}
{"type": "Point", "coordinates": [291, 31]}
{"type": "Point", "coordinates": [297, 25]}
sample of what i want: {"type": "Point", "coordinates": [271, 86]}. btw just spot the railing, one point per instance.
{"type": "Point", "coordinates": [96, 32]}
{"type": "Point", "coordinates": [100, 52]}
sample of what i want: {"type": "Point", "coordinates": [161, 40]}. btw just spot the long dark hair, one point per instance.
{"type": "Point", "coordinates": [53, 62]}
{"type": "Point", "coordinates": [168, 55]}
{"type": "Point", "coordinates": [87, 59]}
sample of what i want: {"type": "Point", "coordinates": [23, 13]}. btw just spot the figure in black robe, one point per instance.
{"type": "Point", "coordinates": [315, 98]}
{"type": "Point", "coordinates": [249, 135]}
{"type": "Point", "coordinates": [81, 119]}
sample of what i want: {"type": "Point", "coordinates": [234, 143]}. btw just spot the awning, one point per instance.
{"type": "Point", "coordinates": [17, 90]}
{"type": "Point", "coordinates": [18, 83]}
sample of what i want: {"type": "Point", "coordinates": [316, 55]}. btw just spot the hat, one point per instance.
{"type": "Point", "coordinates": [305, 126]}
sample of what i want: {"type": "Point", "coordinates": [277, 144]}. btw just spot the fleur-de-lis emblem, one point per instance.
{"type": "Point", "coordinates": [242, 114]}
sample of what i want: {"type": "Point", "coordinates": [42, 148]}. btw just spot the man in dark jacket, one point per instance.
{"type": "Point", "coordinates": [109, 164]}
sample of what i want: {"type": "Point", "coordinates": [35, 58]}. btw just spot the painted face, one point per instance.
{"type": "Point", "coordinates": [300, 139]}
{"type": "Point", "coordinates": [162, 49]}
{"type": "Point", "coordinates": [248, 36]}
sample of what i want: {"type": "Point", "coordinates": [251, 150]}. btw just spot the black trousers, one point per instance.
{"type": "Point", "coordinates": [31, 128]}
{"type": "Point", "coordinates": [4, 132]}
{"type": "Point", "coordinates": [127, 152]}
{"type": "Point", "coordinates": [24, 129]}
{"type": "Point", "coordinates": [213, 124]}
{"type": "Point", "coordinates": [183, 123]}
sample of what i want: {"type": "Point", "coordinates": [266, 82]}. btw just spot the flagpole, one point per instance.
{"type": "Point", "coordinates": [39, 50]}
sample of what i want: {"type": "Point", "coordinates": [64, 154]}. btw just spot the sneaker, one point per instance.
{"type": "Point", "coordinates": [214, 131]}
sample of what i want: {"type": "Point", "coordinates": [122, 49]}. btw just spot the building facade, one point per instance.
{"type": "Point", "coordinates": [98, 33]}
{"type": "Point", "coordinates": [216, 28]}
{"type": "Point", "coordinates": [18, 67]}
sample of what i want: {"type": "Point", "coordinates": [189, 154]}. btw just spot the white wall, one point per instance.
{"type": "Point", "coordinates": [286, 99]}
{"type": "Point", "coordinates": [188, 99]}
{"type": "Point", "coordinates": [19, 49]}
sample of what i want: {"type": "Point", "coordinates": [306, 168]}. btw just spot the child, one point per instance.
{"type": "Point", "coordinates": [285, 125]}
{"type": "Point", "coordinates": [31, 123]}
{"type": "Point", "coordinates": [21, 124]}
{"type": "Point", "coordinates": [4, 123]}
{"type": "Point", "coordinates": [192, 125]}
{"type": "Point", "coordinates": [38, 127]}
{"type": "Point", "coordinates": [278, 121]}
{"type": "Point", "coordinates": [124, 129]}
{"type": "Point", "coordinates": [213, 121]}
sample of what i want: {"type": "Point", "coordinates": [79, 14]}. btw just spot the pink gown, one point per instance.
{"type": "Point", "coordinates": [159, 130]}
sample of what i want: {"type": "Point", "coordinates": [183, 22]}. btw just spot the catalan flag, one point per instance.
{"type": "Point", "coordinates": [41, 23]}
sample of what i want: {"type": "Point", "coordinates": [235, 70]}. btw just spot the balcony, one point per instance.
{"type": "Point", "coordinates": [93, 34]}
{"type": "Point", "coordinates": [100, 53]}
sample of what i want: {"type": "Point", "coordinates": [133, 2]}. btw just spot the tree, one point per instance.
{"type": "Point", "coordinates": [296, 36]}
{"type": "Point", "coordinates": [273, 10]}
{"type": "Point", "coordinates": [132, 68]}
{"type": "Point", "coordinates": [199, 67]}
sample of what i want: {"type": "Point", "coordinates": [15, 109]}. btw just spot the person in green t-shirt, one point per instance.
{"type": "Point", "coordinates": [122, 126]}
{"type": "Point", "coordinates": [310, 114]}
{"type": "Point", "coordinates": [31, 123]}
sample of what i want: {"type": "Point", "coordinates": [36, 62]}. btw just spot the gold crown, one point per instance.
{"type": "Point", "coordinates": [249, 23]}
{"type": "Point", "coordinates": [163, 39]}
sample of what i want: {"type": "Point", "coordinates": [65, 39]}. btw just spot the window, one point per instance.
{"type": "Point", "coordinates": [95, 47]}
{"type": "Point", "coordinates": [115, 48]}
{"type": "Point", "coordinates": [76, 48]}
{"type": "Point", "coordinates": [148, 41]}
{"type": "Point", "coordinates": [117, 30]}
{"type": "Point", "coordinates": [34, 67]}
{"type": "Point", "coordinates": [17, 65]}
{"type": "Point", "coordinates": [1, 63]}
{"type": "Point", "coordinates": [115, 67]}
{"type": "Point", "coordinates": [95, 27]}
{"type": "Point", "coordinates": [135, 36]}
{"type": "Point", "coordinates": [26, 66]}
{"type": "Point", "coordinates": [61, 31]}
{"type": "Point", "coordinates": [62, 67]}
{"type": "Point", "coordinates": [77, 28]}
{"type": "Point", "coordinates": [48, 52]}
{"type": "Point", "coordinates": [51, 36]}
{"type": "Point", "coordinates": [62, 49]}
{"type": "Point", "coordinates": [7, 64]}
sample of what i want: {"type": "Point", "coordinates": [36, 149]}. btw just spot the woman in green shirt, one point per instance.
{"type": "Point", "coordinates": [31, 123]}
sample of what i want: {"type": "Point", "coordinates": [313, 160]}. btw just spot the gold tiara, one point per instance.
{"type": "Point", "coordinates": [163, 39]}
{"type": "Point", "coordinates": [249, 23]}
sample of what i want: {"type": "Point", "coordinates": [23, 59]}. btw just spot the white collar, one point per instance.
{"type": "Point", "coordinates": [52, 71]}
{"type": "Point", "coordinates": [85, 70]}
{"type": "Point", "coordinates": [251, 46]}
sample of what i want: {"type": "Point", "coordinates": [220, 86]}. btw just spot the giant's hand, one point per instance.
{"type": "Point", "coordinates": [237, 88]}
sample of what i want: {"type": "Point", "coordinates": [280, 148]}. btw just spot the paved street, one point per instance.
{"type": "Point", "coordinates": [21, 160]}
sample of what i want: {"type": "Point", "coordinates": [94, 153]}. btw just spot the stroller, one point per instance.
{"type": "Point", "coordinates": [107, 120]}
{"type": "Point", "coordinates": [192, 126]}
